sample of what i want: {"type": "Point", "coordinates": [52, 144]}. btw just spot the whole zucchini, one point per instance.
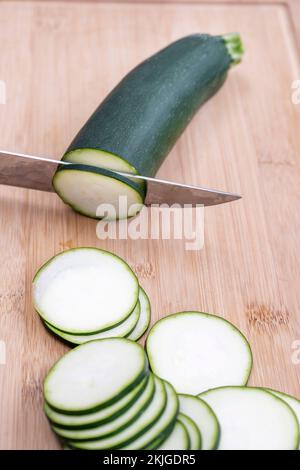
{"type": "Point", "coordinates": [138, 123]}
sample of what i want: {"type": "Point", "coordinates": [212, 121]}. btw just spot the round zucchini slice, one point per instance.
{"type": "Point", "coordinates": [163, 426]}
{"type": "Point", "coordinates": [85, 290]}
{"type": "Point", "coordinates": [192, 430]}
{"type": "Point", "coordinates": [293, 402]}
{"type": "Point", "coordinates": [102, 416]}
{"type": "Point", "coordinates": [95, 375]}
{"type": "Point", "coordinates": [178, 439]}
{"type": "Point", "coordinates": [144, 422]}
{"type": "Point", "coordinates": [144, 319]}
{"type": "Point", "coordinates": [119, 331]}
{"type": "Point", "coordinates": [204, 418]}
{"type": "Point", "coordinates": [253, 419]}
{"type": "Point", "coordinates": [196, 351]}
{"type": "Point", "coordinates": [116, 425]}
{"type": "Point", "coordinates": [97, 192]}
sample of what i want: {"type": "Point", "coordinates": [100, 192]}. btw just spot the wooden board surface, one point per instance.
{"type": "Point", "coordinates": [58, 61]}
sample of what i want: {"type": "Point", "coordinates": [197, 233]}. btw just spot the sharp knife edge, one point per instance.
{"type": "Point", "coordinates": [18, 169]}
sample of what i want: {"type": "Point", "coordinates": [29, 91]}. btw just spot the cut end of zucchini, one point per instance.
{"type": "Point", "coordinates": [98, 193]}
{"type": "Point", "coordinates": [102, 159]}
{"type": "Point", "coordinates": [98, 158]}
{"type": "Point", "coordinates": [234, 47]}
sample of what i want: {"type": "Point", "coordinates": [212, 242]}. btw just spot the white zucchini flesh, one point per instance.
{"type": "Point", "coordinates": [253, 419]}
{"type": "Point", "coordinates": [101, 159]}
{"type": "Point", "coordinates": [117, 424]}
{"type": "Point", "coordinates": [196, 351]}
{"type": "Point", "coordinates": [99, 417]}
{"type": "Point", "coordinates": [192, 430]}
{"type": "Point", "coordinates": [204, 418]}
{"type": "Point", "coordinates": [177, 440]}
{"type": "Point", "coordinates": [95, 375]}
{"type": "Point", "coordinates": [145, 316]}
{"type": "Point", "coordinates": [119, 331]}
{"type": "Point", "coordinates": [85, 290]}
{"type": "Point", "coordinates": [138, 427]}
{"type": "Point", "coordinates": [159, 427]}
{"type": "Point", "coordinates": [93, 193]}
{"type": "Point", "coordinates": [293, 402]}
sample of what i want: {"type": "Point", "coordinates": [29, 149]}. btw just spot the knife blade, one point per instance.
{"type": "Point", "coordinates": [28, 171]}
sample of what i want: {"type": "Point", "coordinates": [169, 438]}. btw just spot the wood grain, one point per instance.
{"type": "Point", "coordinates": [58, 61]}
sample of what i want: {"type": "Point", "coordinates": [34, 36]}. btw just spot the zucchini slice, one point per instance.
{"type": "Point", "coordinates": [192, 430]}
{"type": "Point", "coordinates": [144, 319]}
{"type": "Point", "coordinates": [102, 416]}
{"type": "Point", "coordinates": [162, 426]}
{"type": "Point", "coordinates": [119, 331]}
{"type": "Point", "coordinates": [204, 418]}
{"type": "Point", "coordinates": [178, 439]}
{"type": "Point", "coordinates": [100, 159]}
{"type": "Point", "coordinates": [293, 402]}
{"type": "Point", "coordinates": [196, 351]}
{"type": "Point", "coordinates": [145, 421]}
{"type": "Point", "coordinates": [85, 290]}
{"type": "Point", "coordinates": [95, 375]}
{"type": "Point", "coordinates": [137, 125]}
{"type": "Point", "coordinates": [96, 192]}
{"type": "Point", "coordinates": [116, 425]}
{"type": "Point", "coordinates": [253, 419]}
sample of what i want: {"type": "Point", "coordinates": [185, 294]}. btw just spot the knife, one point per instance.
{"type": "Point", "coordinates": [28, 171]}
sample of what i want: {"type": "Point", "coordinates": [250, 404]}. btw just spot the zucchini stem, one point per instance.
{"type": "Point", "coordinates": [234, 46]}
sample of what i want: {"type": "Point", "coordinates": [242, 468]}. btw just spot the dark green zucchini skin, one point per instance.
{"type": "Point", "coordinates": [144, 115]}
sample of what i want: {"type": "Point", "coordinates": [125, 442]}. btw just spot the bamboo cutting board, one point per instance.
{"type": "Point", "coordinates": [58, 60]}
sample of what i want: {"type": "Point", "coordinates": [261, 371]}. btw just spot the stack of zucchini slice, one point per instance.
{"type": "Point", "coordinates": [75, 294]}
{"type": "Point", "coordinates": [186, 391]}
{"type": "Point", "coordinates": [197, 351]}
{"type": "Point", "coordinates": [101, 395]}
